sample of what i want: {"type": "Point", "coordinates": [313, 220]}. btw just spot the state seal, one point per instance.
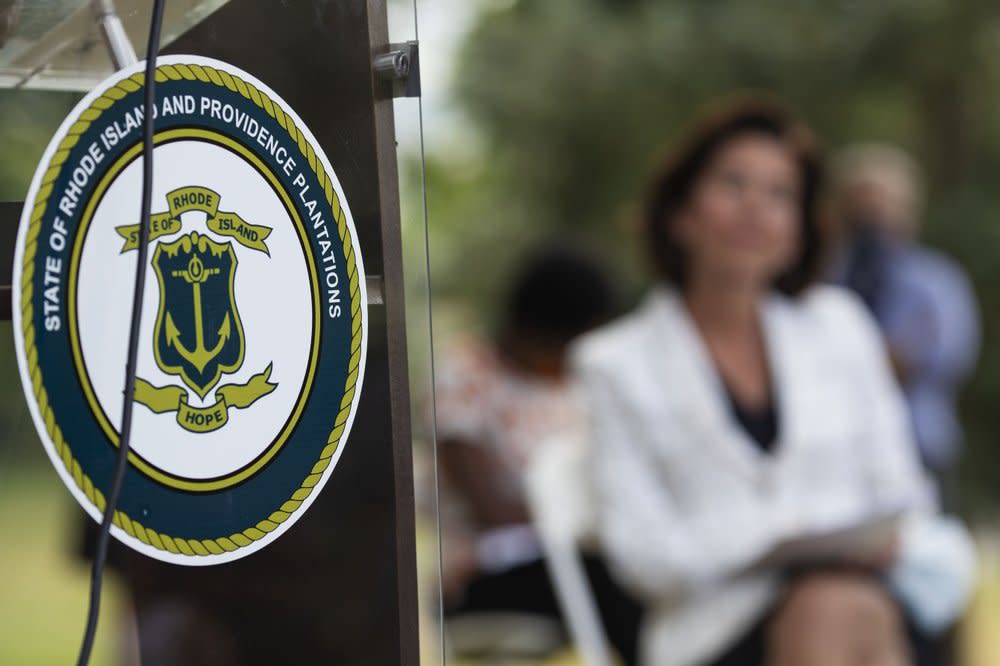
{"type": "Point", "coordinates": [254, 327]}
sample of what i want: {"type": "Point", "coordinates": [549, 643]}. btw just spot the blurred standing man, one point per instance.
{"type": "Point", "coordinates": [922, 300]}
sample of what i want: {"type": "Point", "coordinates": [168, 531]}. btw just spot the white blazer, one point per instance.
{"type": "Point", "coordinates": [687, 501]}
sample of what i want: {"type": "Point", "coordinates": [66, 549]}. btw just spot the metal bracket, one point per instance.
{"type": "Point", "coordinates": [400, 65]}
{"type": "Point", "coordinates": [375, 288]}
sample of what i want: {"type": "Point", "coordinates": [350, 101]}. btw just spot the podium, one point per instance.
{"type": "Point", "coordinates": [341, 585]}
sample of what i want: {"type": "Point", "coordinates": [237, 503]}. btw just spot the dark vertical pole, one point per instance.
{"type": "Point", "coordinates": [10, 213]}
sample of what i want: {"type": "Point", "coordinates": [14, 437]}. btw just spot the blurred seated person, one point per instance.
{"type": "Point", "coordinates": [921, 300]}
{"type": "Point", "coordinates": [741, 407]}
{"type": "Point", "coordinates": [496, 404]}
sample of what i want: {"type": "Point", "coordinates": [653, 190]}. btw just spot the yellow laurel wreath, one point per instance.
{"type": "Point", "coordinates": [178, 545]}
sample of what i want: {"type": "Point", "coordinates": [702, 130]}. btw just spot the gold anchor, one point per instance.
{"type": "Point", "coordinates": [195, 275]}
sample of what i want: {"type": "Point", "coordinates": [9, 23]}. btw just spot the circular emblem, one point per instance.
{"type": "Point", "coordinates": [253, 335]}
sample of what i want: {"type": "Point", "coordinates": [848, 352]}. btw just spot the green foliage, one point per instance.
{"type": "Point", "coordinates": [27, 121]}
{"type": "Point", "coordinates": [576, 100]}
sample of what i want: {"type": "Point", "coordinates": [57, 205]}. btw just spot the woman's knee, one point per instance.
{"type": "Point", "coordinates": [838, 619]}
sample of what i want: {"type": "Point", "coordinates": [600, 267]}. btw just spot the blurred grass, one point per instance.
{"type": "Point", "coordinates": [565, 658]}
{"type": "Point", "coordinates": [43, 588]}
{"type": "Point", "coordinates": [980, 639]}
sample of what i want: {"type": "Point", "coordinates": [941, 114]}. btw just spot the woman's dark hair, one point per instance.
{"type": "Point", "coordinates": [559, 292]}
{"type": "Point", "coordinates": [672, 187]}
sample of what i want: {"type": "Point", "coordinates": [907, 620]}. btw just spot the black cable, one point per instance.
{"type": "Point", "coordinates": [101, 554]}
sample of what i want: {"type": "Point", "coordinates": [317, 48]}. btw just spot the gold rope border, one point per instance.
{"type": "Point", "coordinates": [178, 545]}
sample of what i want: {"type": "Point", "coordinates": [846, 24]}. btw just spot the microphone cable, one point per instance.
{"type": "Point", "coordinates": [101, 554]}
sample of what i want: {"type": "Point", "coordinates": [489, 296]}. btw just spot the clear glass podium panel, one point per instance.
{"type": "Point", "coordinates": [404, 18]}
{"type": "Point", "coordinates": [59, 44]}
{"type": "Point", "coordinates": [356, 579]}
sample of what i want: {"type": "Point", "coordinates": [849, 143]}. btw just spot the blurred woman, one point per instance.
{"type": "Point", "coordinates": [741, 407]}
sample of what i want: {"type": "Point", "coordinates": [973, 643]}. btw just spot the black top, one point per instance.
{"type": "Point", "coordinates": [761, 423]}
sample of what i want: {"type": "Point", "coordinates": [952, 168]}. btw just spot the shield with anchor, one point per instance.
{"type": "Point", "coordinates": [198, 333]}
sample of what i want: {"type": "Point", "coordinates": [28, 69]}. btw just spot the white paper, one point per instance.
{"type": "Point", "coordinates": [866, 540]}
